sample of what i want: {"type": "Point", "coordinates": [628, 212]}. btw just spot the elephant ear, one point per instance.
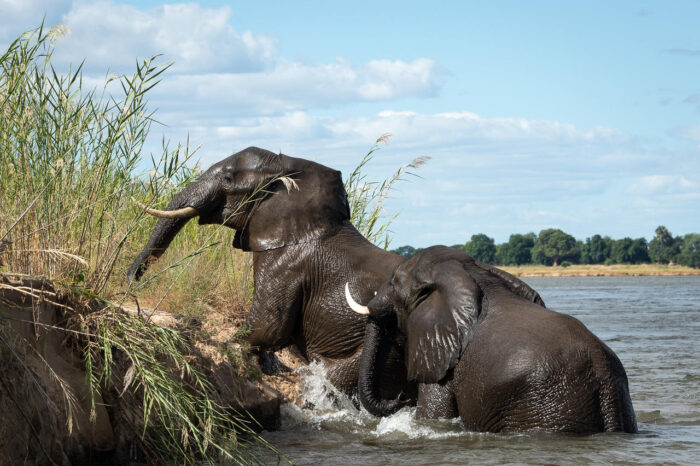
{"type": "Point", "coordinates": [441, 325]}
{"type": "Point", "coordinates": [315, 205]}
{"type": "Point", "coordinates": [513, 283]}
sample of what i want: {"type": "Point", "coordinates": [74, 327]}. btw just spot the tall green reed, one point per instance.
{"type": "Point", "coordinates": [71, 158]}
{"type": "Point", "coordinates": [68, 158]}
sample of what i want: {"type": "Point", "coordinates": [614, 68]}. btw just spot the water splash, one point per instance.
{"type": "Point", "coordinates": [404, 425]}
{"type": "Point", "coordinates": [325, 407]}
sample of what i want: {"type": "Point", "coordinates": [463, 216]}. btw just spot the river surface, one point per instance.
{"type": "Point", "coordinates": [652, 323]}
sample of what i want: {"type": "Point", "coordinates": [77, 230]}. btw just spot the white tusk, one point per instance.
{"type": "Point", "coordinates": [360, 309]}
{"type": "Point", "coordinates": [186, 212]}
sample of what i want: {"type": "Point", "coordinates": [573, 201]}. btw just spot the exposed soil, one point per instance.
{"type": "Point", "coordinates": [39, 365]}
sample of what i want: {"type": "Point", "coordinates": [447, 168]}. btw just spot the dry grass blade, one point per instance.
{"type": "Point", "coordinates": [57, 253]}
{"type": "Point", "coordinates": [289, 183]}
{"type": "Point", "coordinates": [367, 198]}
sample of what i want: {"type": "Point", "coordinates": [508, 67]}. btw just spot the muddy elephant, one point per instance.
{"type": "Point", "coordinates": [293, 215]}
{"type": "Point", "coordinates": [484, 347]}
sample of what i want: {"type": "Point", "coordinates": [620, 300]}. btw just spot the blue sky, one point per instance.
{"type": "Point", "coordinates": [580, 116]}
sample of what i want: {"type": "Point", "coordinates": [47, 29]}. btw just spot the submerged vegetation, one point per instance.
{"type": "Point", "coordinates": [73, 171]}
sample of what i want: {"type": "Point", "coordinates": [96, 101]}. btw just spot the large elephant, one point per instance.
{"type": "Point", "coordinates": [484, 347]}
{"type": "Point", "coordinates": [293, 215]}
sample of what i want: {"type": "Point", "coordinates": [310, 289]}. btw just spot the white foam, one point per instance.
{"type": "Point", "coordinates": [403, 424]}
{"type": "Point", "coordinates": [328, 409]}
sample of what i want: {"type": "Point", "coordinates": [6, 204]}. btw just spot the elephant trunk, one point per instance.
{"type": "Point", "coordinates": [374, 352]}
{"type": "Point", "coordinates": [194, 195]}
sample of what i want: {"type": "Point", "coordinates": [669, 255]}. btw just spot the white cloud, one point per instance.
{"type": "Point", "coordinates": [387, 79]}
{"type": "Point", "coordinates": [18, 15]}
{"type": "Point", "coordinates": [662, 184]}
{"type": "Point", "coordinates": [421, 131]}
{"type": "Point", "coordinates": [289, 86]}
{"type": "Point", "coordinates": [198, 39]}
{"type": "Point", "coordinates": [217, 71]}
{"type": "Point", "coordinates": [230, 88]}
{"type": "Point", "coordinates": [293, 126]}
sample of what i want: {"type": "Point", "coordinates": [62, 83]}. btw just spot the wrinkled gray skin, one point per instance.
{"type": "Point", "coordinates": [484, 347]}
{"type": "Point", "coordinates": [304, 250]}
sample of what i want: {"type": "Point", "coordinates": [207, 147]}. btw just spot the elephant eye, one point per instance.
{"type": "Point", "coordinates": [422, 294]}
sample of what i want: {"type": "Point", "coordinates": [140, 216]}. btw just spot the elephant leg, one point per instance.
{"type": "Point", "coordinates": [436, 401]}
{"type": "Point", "coordinates": [344, 373]}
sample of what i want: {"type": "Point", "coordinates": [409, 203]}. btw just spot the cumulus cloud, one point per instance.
{"type": "Point", "coordinates": [231, 88]}
{"type": "Point", "coordinates": [289, 86]}
{"type": "Point", "coordinates": [198, 39]}
{"type": "Point", "coordinates": [217, 70]}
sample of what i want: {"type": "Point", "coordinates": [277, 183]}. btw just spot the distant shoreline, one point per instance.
{"type": "Point", "coordinates": [617, 270]}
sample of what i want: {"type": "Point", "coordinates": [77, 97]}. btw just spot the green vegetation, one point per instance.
{"type": "Point", "coordinates": [68, 170]}
{"type": "Point", "coordinates": [690, 251]}
{"type": "Point", "coordinates": [596, 249]}
{"type": "Point", "coordinates": [554, 247]}
{"type": "Point", "coordinates": [481, 248]}
{"type": "Point", "coordinates": [517, 251]}
{"type": "Point", "coordinates": [664, 247]}
{"type": "Point", "coordinates": [72, 163]}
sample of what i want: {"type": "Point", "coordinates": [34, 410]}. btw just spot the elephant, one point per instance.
{"type": "Point", "coordinates": [293, 215]}
{"type": "Point", "coordinates": [483, 347]}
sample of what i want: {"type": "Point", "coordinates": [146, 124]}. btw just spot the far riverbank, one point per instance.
{"type": "Point", "coordinates": [599, 270]}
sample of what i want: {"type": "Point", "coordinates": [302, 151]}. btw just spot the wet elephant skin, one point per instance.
{"type": "Point", "coordinates": [293, 215]}
{"type": "Point", "coordinates": [484, 347]}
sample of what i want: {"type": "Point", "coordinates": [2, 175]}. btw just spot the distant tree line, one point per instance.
{"type": "Point", "coordinates": [555, 247]}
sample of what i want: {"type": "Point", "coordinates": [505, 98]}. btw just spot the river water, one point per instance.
{"type": "Point", "coordinates": [652, 323]}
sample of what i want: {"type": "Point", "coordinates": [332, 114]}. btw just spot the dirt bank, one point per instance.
{"type": "Point", "coordinates": [48, 411]}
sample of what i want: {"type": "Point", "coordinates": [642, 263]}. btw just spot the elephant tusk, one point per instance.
{"type": "Point", "coordinates": [185, 212]}
{"type": "Point", "coordinates": [360, 309]}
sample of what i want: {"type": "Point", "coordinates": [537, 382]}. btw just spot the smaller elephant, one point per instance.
{"type": "Point", "coordinates": [484, 347]}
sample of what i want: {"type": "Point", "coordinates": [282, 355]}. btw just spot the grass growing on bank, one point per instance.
{"type": "Point", "coordinates": [71, 160]}
{"type": "Point", "coordinates": [69, 165]}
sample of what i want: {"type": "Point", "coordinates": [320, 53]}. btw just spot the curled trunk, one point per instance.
{"type": "Point", "coordinates": [194, 195]}
{"type": "Point", "coordinates": [160, 239]}
{"type": "Point", "coordinates": [374, 352]}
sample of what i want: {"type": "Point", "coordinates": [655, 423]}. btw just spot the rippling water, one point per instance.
{"type": "Point", "coordinates": [652, 323]}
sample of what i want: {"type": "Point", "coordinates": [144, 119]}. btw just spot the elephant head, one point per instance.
{"type": "Point", "coordinates": [271, 200]}
{"type": "Point", "coordinates": [435, 305]}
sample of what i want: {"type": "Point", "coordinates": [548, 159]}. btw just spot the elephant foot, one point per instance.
{"type": "Point", "coordinates": [270, 364]}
